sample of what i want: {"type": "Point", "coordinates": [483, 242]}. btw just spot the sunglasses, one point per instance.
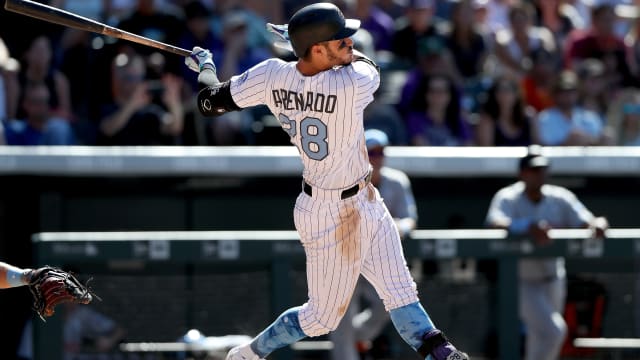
{"type": "Point", "coordinates": [376, 153]}
{"type": "Point", "coordinates": [342, 45]}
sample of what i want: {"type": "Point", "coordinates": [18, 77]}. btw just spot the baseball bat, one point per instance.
{"type": "Point", "coordinates": [65, 18]}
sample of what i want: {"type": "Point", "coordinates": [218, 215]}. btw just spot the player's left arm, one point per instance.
{"type": "Point", "coordinates": [581, 216]}
{"type": "Point", "coordinates": [216, 100]}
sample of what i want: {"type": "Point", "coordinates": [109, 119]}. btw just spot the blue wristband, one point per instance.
{"type": "Point", "coordinates": [519, 226]}
{"type": "Point", "coordinates": [15, 277]}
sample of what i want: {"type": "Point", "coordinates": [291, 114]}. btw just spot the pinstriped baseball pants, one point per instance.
{"type": "Point", "coordinates": [343, 239]}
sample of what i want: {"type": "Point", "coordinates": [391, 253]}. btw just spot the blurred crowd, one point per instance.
{"type": "Point", "coordinates": [454, 72]}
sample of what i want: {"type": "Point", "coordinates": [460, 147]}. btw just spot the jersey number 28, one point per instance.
{"type": "Point", "coordinates": [313, 135]}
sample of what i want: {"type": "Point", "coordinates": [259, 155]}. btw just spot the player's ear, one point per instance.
{"type": "Point", "coordinates": [316, 49]}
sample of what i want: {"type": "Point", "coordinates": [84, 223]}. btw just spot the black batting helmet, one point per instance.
{"type": "Point", "coordinates": [317, 23]}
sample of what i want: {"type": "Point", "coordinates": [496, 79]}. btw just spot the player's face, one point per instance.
{"type": "Point", "coordinates": [376, 156]}
{"type": "Point", "coordinates": [534, 178]}
{"type": "Point", "coordinates": [339, 52]}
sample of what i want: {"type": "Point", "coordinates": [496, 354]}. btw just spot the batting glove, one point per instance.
{"type": "Point", "coordinates": [200, 59]}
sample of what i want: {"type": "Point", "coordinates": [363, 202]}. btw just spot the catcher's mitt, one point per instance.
{"type": "Point", "coordinates": [52, 286]}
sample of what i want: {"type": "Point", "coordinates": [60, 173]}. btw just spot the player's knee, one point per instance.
{"type": "Point", "coordinates": [553, 333]}
{"type": "Point", "coordinates": [318, 330]}
{"type": "Point", "coordinates": [558, 331]}
{"type": "Point", "coordinates": [320, 324]}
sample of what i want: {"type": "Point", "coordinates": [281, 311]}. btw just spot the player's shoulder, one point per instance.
{"type": "Point", "coordinates": [268, 66]}
{"type": "Point", "coordinates": [364, 67]}
{"type": "Point", "coordinates": [556, 191]}
{"type": "Point", "coordinates": [277, 63]}
{"type": "Point", "coordinates": [511, 192]}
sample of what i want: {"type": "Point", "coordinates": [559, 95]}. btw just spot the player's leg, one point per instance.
{"type": "Point", "coordinates": [283, 331]}
{"type": "Point", "coordinates": [545, 326]}
{"type": "Point", "coordinates": [386, 269]}
{"type": "Point", "coordinates": [330, 236]}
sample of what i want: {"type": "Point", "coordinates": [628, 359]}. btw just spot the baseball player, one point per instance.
{"type": "Point", "coordinates": [345, 228]}
{"type": "Point", "coordinates": [361, 326]}
{"type": "Point", "coordinates": [531, 207]}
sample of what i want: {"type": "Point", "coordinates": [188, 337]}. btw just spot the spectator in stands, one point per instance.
{"type": "Point", "coordinates": [89, 334]}
{"type": "Point", "coordinates": [515, 43]}
{"type": "Point", "coordinates": [77, 53]}
{"type": "Point", "coordinates": [601, 42]}
{"type": "Point", "coordinates": [624, 118]}
{"type": "Point", "coordinates": [198, 33]}
{"type": "Point", "coordinates": [559, 16]}
{"type": "Point", "coordinates": [256, 14]}
{"type": "Point", "coordinates": [465, 41]}
{"type": "Point", "coordinates": [9, 88]}
{"type": "Point", "coordinates": [361, 326]}
{"type": "Point", "coordinates": [394, 8]}
{"type": "Point", "coordinates": [417, 23]}
{"type": "Point", "coordinates": [530, 208]}
{"type": "Point", "coordinates": [141, 112]}
{"type": "Point", "coordinates": [164, 23]}
{"type": "Point", "coordinates": [434, 58]}
{"type": "Point", "coordinates": [632, 34]}
{"type": "Point", "coordinates": [593, 93]}
{"type": "Point", "coordinates": [537, 84]}
{"type": "Point", "coordinates": [237, 55]}
{"type": "Point", "coordinates": [38, 67]}
{"type": "Point", "coordinates": [481, 20]}
{"type": "Point", "coordinates": [377, 22]}
{"type": "Point", "coordinates": [504, 119]}
{"type": "Point", "coordinates": [567, 123]}
{"type": "Point", "coordinates": [234, 128]}
{"type": "Point", "coordinates": [436, 117]}
{"type": "Point", "coordinates": [40, 126]}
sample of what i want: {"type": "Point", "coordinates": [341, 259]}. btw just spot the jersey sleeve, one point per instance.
{"type": "Point", "coordinates": [577, 214]}
{"type": "Point", "coordinates": [367, 79]}
{"type": "Point", "coordinates": [500, 209]}
{"type": "Point", "coordinates": [249, 88]}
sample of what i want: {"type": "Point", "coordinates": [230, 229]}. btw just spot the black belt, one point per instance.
{"type": "Point", "coordinates": [344, 195]}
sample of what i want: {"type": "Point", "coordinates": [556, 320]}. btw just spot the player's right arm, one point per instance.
{"type": "Point", "coordinates": [241, 91]}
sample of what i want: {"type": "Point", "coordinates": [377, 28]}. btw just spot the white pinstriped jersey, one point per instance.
{"type": "Point", "coordinates": [321, 113]}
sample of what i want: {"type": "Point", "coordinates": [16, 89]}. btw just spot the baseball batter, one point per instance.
{"type": "Point", "coordinates": [343, 224]}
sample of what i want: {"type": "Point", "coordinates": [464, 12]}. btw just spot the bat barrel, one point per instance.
{"type": "Point", "coordinates": [65, 18]}
{"type": "Point", "coordinates": [53, 15]}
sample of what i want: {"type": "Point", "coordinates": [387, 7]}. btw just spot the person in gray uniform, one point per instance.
{"type": "Point", "coordinates": [531, 207]}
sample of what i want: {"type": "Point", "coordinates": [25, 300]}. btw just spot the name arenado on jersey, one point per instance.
{"type": "Point", "coordinates": [291, 100]}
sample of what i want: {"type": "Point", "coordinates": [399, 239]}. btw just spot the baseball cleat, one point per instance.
{"type": "Point", "coordinates": [458, 355]}
{"type": "Point", "coordinates": [447, 351]}
{"type": "Point", "coordinates": [242, 352]}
